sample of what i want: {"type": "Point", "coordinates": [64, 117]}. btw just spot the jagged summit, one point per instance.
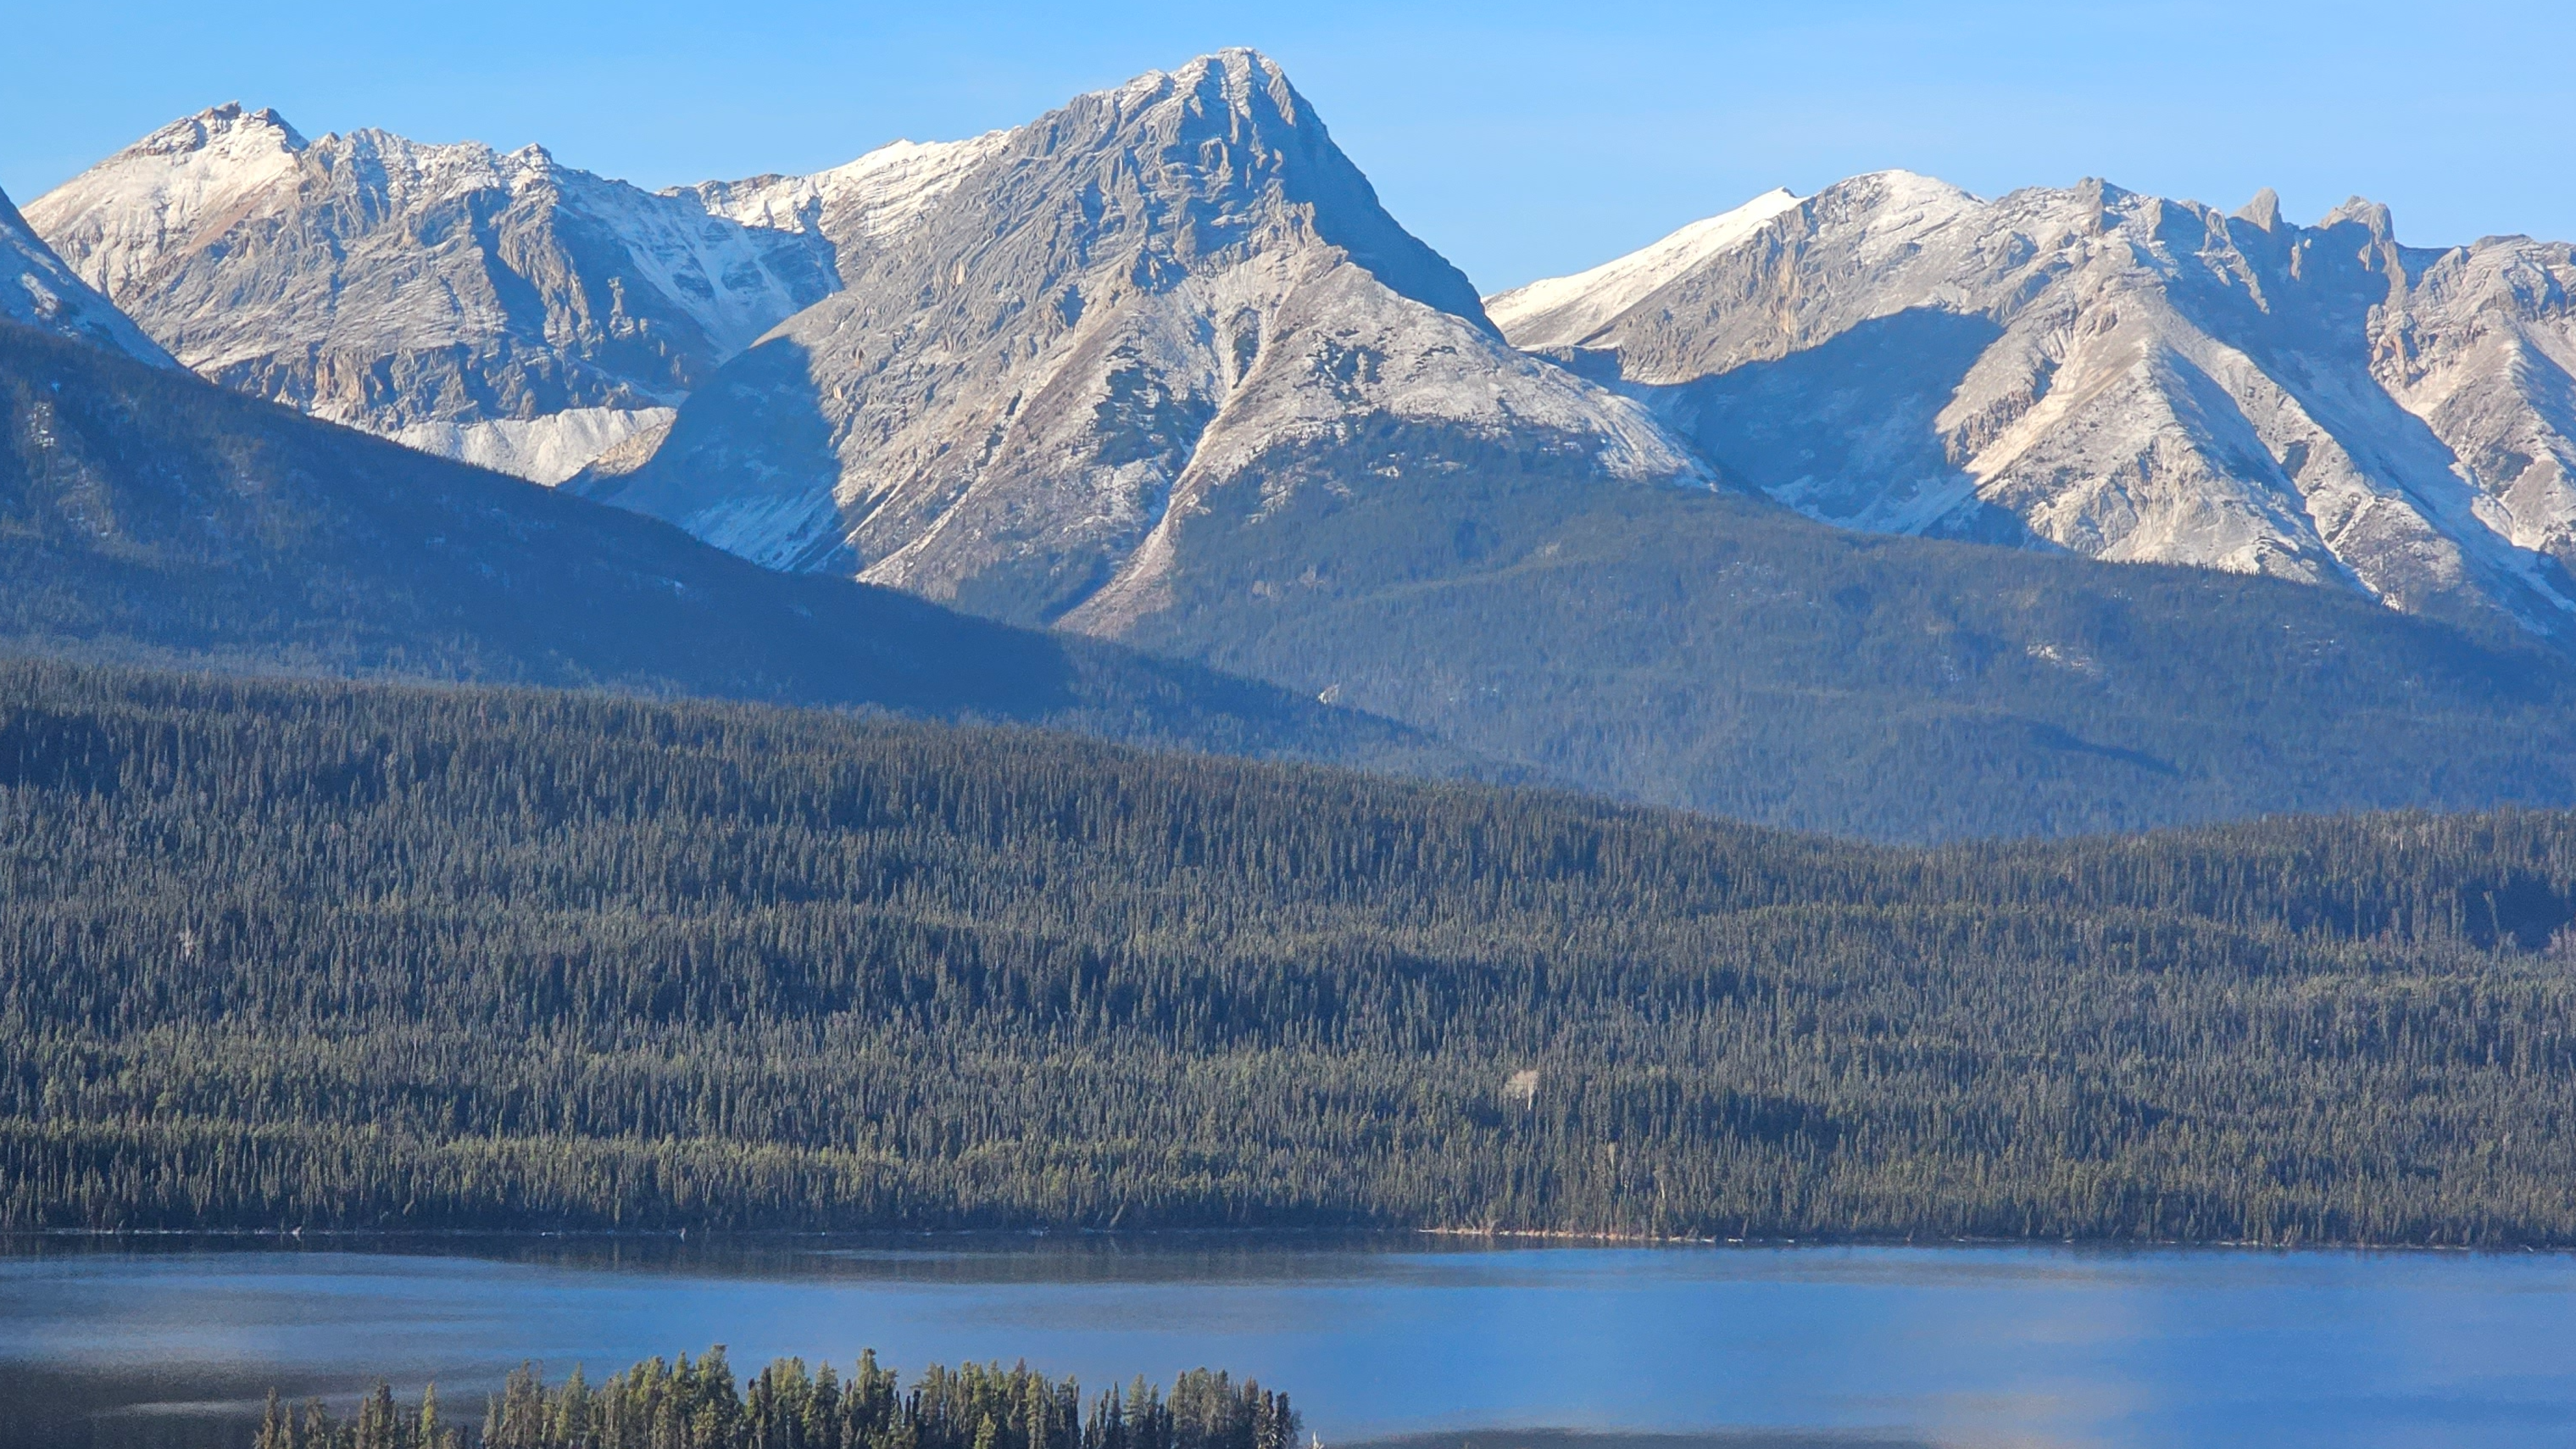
{"type": "Point", "coordinates": [132, 223]}
{"type": "Point", "coordinates": [216, 127]}
{"type": "Point", "coordinates": [2128, 377]}
{"type": "Point", "coordinates": [494, 306]}
{"type": "Point", "coordinates": [1278, 155]}
{"type": "Point", "coordinates": [1162, 308]}
{"type": "Point", "coordinates": [2364, 212]}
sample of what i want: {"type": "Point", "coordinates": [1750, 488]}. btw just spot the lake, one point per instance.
{"type": "Point", "coordinates": [1444, 1342]}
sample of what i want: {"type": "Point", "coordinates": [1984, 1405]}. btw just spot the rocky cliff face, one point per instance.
{"type": "Point", "coordinates": [500, 308]}
{"type": "Point", "coordinates": [37, 290]}
{"type": "Point", "coordinates": [1146, 316]}
{"type": "Point", "coordinates": [2122, 376]}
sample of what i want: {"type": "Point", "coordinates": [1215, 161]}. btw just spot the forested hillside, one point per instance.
{"type": "Point", "coordinates": [324, 954]}
{"type": "Point", "coordinates": [1709, 651]}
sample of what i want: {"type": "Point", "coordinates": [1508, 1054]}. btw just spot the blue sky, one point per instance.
{"type": "Point", "coordinates": [1521, 139]}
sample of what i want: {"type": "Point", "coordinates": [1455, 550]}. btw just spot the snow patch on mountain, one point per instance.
{"type": "Point", "coordinates": [544, 450]}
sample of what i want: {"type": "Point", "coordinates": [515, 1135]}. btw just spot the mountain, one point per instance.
{"type": "Point", "coordinates": [1581, 304]}
{"type": "Point", "coordinates": [1160, 369]}
{"type": "Point", "coordinates": [148, 515]}
{"type": "Point", "coordinates": [37, 290]}
{"type": "Point", "coordinates": [1161, 310]}
{"type": "Point", "coordinates": [499, 308]}
{"type": "Point", "coordinates": [2120, 376]}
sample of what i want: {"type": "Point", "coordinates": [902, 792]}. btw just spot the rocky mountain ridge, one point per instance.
{"type": "Point", "coordinates": [496, 307]}
{"type": "Point", "coordinates": [1145, 316]}
{"type": "Point", "coordinates": [2116, 375]}
{"type": "Point", "coordinates": [1158, 368]}
{"type": "Point", "coordinates": [2121, 376]}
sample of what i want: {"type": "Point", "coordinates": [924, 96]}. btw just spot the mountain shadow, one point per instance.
{"type": "Point", "coordinates": [761, 421]}
{"type": "Point", "coordinates": [1848, 429]}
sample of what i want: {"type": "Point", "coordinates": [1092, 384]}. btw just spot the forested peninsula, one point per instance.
{"type": "Point", "coordinates": [281, 955]}
{"type": "Point", "coordinates": [695, 1404]}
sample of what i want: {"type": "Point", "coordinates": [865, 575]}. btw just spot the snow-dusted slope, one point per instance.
{"type": "Point", "coordinates": [497, 304]}
{"type": "Point", "coordinates": [2127, 377]}
{"type": "Point", "coordinates": [1151, 314]}
{"type": "Point", "coordinates": [38, 290]}
{"type": "Point", "coordinates": [1560, 311]}
{"type": "Point", "coordinates": [858, 206]}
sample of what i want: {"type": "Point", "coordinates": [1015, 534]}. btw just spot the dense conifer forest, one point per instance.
{"type": "Point", "coordinates": [280, 955]}
{"type": "Point", "coordinates": [697, 1405]}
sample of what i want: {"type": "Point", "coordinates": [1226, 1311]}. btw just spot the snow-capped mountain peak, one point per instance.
{"type": "Point", "coordinates": [1238, 73]}
{"type": "Point", "coordinates": [1156, 315]}
{"type": "Point", "coordinates": [497, 306]}
{"type": "Point", "coordinates": [2125, 376]}
{"type": "Point", "coordinates": [122, 217]}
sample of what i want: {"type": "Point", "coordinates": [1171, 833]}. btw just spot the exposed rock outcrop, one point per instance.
{"type": "Point", "coordinates": [2123, 376]}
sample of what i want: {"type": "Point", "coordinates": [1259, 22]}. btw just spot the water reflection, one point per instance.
{"type": "Point", "coordinates": [1457, 1342]}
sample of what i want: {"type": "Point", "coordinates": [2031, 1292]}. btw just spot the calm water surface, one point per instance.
{"type": "Point", "coordinates": [1377, 1339]}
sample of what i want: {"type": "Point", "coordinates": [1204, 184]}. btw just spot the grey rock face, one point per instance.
{"type": "Point", "coordinates": [2122, 376]}
{"type": "Point", "coordinates": [38, 291]}
{"type": "Point", "coordinates": [500, 308]}
{"type": "Point", "coordinates": [1127, 321]}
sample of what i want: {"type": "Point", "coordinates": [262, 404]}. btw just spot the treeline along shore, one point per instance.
{"type": "Point", "coordinates": [280, 955]}
{"type": "Point", "coordinates": [696, 1404]}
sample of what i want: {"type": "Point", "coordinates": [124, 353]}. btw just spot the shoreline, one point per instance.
{"type": "Point", "coordinates": [1283, 1236]}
